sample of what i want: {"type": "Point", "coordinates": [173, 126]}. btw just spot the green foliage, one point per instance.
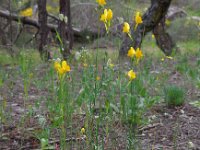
{"type": "Point", "coordinates": [174, 95]}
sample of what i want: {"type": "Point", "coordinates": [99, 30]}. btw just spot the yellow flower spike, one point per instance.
{"type": "Point", "coordinates": [131, 74]}
{"type": "Point", "coordinates": [27, 12]}
{"type": "Point", "coordinates": [109, 14]}
{"type": "Point", "coordinates": [126, 27]}
{"type": "Point", "coordinates": [131, 52]}
{"type": "Point", "coordinates": [65, 66]}
{"type": "Point", "coordinates": [101, 2]}
{"type": "Point", "coordinates": [138, 19]}
{"type": "Point", "coordinates": [138, 54]}
{"type": "Point", "coordinates": [83, 131]}
{"type": "Point", "coordinates": [61, 68]}
{"type": "Point", "coordinates": [104, 16]}
{"type": "Point", "coordinates": [57, 65]}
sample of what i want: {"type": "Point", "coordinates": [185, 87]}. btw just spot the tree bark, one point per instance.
{"type": "Point", "coordinates": [70, 34]}
{"type": "Point", "coordinates": [43, 30]}
{"type": "Point", "coordinates": [153, 20]}
{"type": "Point", "coordinates": [65, 33]}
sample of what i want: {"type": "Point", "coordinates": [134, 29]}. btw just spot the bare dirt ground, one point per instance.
{"type": "Point", "coordinates": [171, 128]}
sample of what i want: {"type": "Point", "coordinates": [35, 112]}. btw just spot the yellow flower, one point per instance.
{"type": "Point", "coordinates": [65, 66]}
{"type": "Point", "coordinates": [62, 67]}
{"type": "Point", "coordinates": [126, 27]}
{"type": "Point", "coordinates": [57, 65]}
{"type": "Point", "coordinates": [162, 59]}
{"type": "Point", "coordinates": [138, 18]}
{"type": "Point", "coordinates": [131, 52]}
{"type": "Point", "coordinates": [27, 12]}
{"type": "Point", "coordinates": [131, 75]}
{"type": "Point", "coordinates": [61, 71]}
{"type": "Point", "coordinates": [82, 130]}
{"type": "Point", "coordinates": [97, 78]}
{"type": "Point", "coordinates": [104, 16]}
{"type": "Point", "coordinates": [109, 15]}
{"type": "Point", "coordinates": [138, 53]}
{"type": "Point", "coordinates": [101, 2]}
{"type": "Point", "coordinates": [153, 36]}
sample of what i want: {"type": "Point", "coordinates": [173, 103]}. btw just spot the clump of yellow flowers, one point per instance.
{"type": "Point", "coordinates": [137, 53]}
{"type": "Point", "coordinates": [61, 67]}
{"type": "Point", "coordinates": [107, 15]}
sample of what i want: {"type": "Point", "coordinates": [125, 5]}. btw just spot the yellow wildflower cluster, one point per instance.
{"type": "Point", "coordinates": [137, 53]}
{"type": "Point", "coordinates": [27, 12]}
{"type": "Point", "coordinates": [107, 15]}
{"type": "Point", "coordinates": [61, 67]}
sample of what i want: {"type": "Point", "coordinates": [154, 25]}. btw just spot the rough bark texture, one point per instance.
{"type": "Point", "coordinates": [152, 21]}
{"type": "Point", "coordinates": [43, 30]}
{"type": "Point", "coordinates": [163, 39]}
{"type": "Point", "coordinates": [65, 33]}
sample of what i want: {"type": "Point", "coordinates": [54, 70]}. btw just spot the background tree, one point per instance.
{"type": "Point", "coordinates": [65, 28]}
{"type": "Point", "coordinates": [43, 30]}
{"type": "Point", "coordinates": [153, 20]}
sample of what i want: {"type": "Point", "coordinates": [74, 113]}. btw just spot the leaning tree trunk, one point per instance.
{"type": "Point", "coordinates": [65, 33]}
{"type": "Point", "coordinates": [43, 30]}
{"type": "Point", "coordinates": [153, 20]}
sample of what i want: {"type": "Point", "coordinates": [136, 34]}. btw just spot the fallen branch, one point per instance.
{"type": "Point", "coordinates": [78, 34]}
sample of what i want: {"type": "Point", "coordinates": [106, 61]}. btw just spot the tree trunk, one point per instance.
{"type": "Point", "coordinates": [43, 30]}
{"type": "Point", "coordinates": [70, 34]}
{"type": "Point", "coordinates": [65, 33]}
{"type": "Point", "coordinates": [153, 20]}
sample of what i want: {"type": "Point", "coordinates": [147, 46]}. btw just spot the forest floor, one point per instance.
{"type": "Point", "coordinates": [170, 128]}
